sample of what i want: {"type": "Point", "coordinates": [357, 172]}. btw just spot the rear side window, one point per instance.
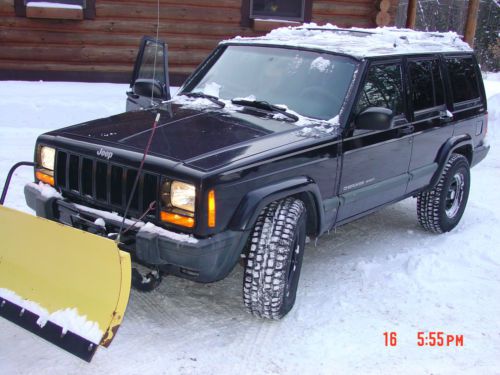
{"type": "Point", "coordinates": [383, 88]}
{"type": "Point", "coordinates": [463, 78]}
{"type": "Point", "coordinates": [426, 84]}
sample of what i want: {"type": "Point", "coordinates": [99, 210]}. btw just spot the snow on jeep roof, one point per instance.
{"type": "Point", "coordinates": [359, 42]}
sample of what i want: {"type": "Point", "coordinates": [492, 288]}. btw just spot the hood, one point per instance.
{"type": "Point", "coordinates": [203, 139]}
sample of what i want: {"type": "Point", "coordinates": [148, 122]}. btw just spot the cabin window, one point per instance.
{"type": "Point", "coordinates": [55, 9]}
{"type": "Point", "coordinates": [278, 9]}
{"type": "Point", "coordinates": [275, 10]}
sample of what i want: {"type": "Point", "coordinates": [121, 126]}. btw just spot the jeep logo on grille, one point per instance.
{"type": "Point", "coordinates": [105, 154]}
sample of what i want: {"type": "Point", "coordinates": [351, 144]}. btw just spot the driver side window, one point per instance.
{"type": "Point", "coordinates": [383, 87]}
{"type": "Point", "coordinates": [148, 69]}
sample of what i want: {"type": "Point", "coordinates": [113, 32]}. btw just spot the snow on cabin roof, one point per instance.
{"type": "Point", "coordinates": [360, 42]}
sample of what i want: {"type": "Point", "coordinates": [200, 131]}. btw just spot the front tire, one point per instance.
{"type": "Point", "coordinates": [274, 259]}
{"type": "Point", "coordinates": [440, 209]}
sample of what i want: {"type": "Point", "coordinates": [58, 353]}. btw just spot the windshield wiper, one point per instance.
{"type": "Point", "coordinates": [212, 98]}
{"type": "Point", "coordinates": [262, 104]}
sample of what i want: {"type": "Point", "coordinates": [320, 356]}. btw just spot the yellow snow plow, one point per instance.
{"type": "Point", "coordinates": [63, 284]}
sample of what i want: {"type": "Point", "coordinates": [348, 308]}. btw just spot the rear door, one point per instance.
{"type": "Point", "coordinates": [468, 97]}
{"type": "Point", "coordinates": [432, 118]}
{"type": "Point", "coordinates": [375, 163]}
{"type": "Point", "coordinates": [149, 85]}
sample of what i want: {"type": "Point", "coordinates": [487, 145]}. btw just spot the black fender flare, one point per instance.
{"type": "Point", "coordinates": [445, 152]}
{"type": "Point", "coordinates": [253, 202]}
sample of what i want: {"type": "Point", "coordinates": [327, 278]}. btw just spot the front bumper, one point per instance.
{"type": "Point", "coordinates": [203, 260]}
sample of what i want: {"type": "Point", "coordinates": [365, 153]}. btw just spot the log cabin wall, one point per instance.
{"type": "Point", "coordinates": [104, 48]}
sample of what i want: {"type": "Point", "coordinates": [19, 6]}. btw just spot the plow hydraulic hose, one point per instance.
{"type": "Point", "coordinates": [9, 177]}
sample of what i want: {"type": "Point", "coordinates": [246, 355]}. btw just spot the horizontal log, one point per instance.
{"type": "Point", "coordinates": [78, 67]}
{"type": "Point", "coordinates": [50, 65]}
{"type": "Point", "coordinates": [264, 26]}
{"type": "Point", "coordinates": [126, 27]}
{"type": "Point", "coordinates": [202, 3]}
{"type": "Point", "coordinates": [167, 13]}
{"type": "Point", "coordinates": [335, 9]}
{"type": "Point", "coordinates": [91, 55]}
{"type": "Point", "coordinates": [34, 37]}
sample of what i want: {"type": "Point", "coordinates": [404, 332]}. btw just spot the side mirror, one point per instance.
{"type": "Point", "coordinates": [144, 87]}
{"type": "Point", "coordinates": [374, 118]}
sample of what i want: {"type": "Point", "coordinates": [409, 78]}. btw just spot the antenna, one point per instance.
{"type": "Point", "coordinates": [156, 46]}
{"type": "Point", "coordinates": [150, 140]}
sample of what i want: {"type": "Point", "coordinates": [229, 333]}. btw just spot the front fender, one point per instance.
{"type": "Point", "coordinates": [254, 202]}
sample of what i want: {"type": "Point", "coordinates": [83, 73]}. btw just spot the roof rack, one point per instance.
{"type": "Point", "coordinates": [337, 30]}
{"type": "Point", "coordinates": [435, 34]}
{"type": "Point", "coordinates": [361, 43]}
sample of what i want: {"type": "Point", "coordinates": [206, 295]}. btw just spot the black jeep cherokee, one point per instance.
{"type": "Point", "coordinates": [270, 140]}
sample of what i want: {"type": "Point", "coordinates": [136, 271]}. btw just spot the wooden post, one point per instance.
{"type": "Point", "coordinates": [471, 23]}
{"type": "Point", "coordinates": [411, 15]}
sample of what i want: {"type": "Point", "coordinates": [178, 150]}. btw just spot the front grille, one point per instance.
{"type": "Point", "coordinates": [105, 184]}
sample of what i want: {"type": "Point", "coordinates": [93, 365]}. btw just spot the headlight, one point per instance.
{"type": "Point", "coordinates": [47, 157]}
{"type": "Point", "coordinates": [182, 195]}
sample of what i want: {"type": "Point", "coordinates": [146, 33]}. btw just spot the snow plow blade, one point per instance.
{"type": "Point", "coordinates": [63, 284]}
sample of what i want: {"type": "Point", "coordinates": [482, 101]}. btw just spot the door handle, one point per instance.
{"type": "Point", "coordinates": [131, 95]}
{"type": "Point", "coordinates": [406, 130]}
{"type": "Point", "coordinates": [445, 116]}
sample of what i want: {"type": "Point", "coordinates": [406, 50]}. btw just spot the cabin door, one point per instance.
{"type": "Point", "coordinates": [149, 85]}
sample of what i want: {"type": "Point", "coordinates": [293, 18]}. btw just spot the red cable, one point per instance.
{"type": "Point", "coordinates": [146, 150]}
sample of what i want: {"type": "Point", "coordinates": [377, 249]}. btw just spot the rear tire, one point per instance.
{"type": "Point", "coordinates": [274, 259]}
{"type": "Point", "coordinates": [439, 210]}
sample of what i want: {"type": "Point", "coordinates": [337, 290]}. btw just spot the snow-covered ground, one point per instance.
{"type": "Point", "coordinates": [380, 274]}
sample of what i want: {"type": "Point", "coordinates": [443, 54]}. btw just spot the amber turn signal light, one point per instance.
{"type": "Point", "coordinates": [184, 221]}
{"type": "Point", "coordinates": [45, 178]}
{"type": "Point", "coordinates": [211, 209]}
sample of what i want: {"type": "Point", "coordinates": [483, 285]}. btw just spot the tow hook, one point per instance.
{"type": "Point", "coordinates": [147, 282]}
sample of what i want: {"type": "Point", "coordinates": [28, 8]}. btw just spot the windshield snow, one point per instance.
{"type": "Point", "coordinates": [312, 84]}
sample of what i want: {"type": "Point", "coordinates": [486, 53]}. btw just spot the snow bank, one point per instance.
{"type": "Point", "coordinates": [360, 42]}
{"type": "Point", "coordinates": [493, 116]}
{"type": "Point", "coordinates": [492, 87]}
{"type": "Point", "coordinates": [68, 319]}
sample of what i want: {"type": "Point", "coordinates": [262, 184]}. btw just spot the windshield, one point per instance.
{"type": "Point", "coordinates": [312, 84]}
